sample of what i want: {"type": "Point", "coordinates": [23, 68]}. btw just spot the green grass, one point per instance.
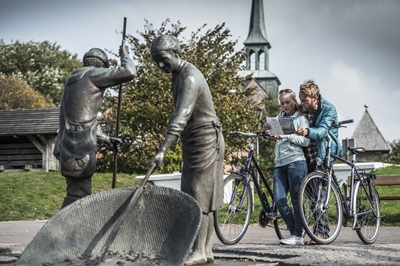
{"type": "Point", "coordinates": [389, 208]}
{"type": "Point", "coordinates": [389, 170]}
{"type": "Point", "coordinates": [38, 196]}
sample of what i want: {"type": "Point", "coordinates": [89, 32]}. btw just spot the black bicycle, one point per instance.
{"type": "Point", "coordinates": [232, 219]}
{"type": "Point", "coordinates": [324, 207]}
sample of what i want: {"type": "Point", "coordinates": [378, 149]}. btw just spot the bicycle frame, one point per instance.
{"type": "Point", "coordinates": [349, 212]}
{"type": "Point", "coordinates": [248, 168]}
{"type": "Point", "coordinates": [264, 200]}
{"type": "Point", "coordinates": [353, 174]}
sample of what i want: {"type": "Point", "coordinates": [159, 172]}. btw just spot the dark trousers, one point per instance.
{"type": "Point", "coordinates": [77, 188]}
{"type": "Point", "coordinates": [321, 227]}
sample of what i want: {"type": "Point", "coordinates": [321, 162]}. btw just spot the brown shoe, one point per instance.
{"type": "Point", "coordinates": [312, 242]}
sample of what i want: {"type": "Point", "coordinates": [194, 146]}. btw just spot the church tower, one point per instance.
{"type": "Point", "coordinates": [258, 47]}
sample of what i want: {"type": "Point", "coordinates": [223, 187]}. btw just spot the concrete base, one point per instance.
{"type": "Point", "coordinates": [174, 181]}
{"type": "Point", "coordinates": [165, 180]}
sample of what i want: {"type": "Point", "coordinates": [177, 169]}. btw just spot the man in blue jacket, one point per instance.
{"type": "Point", "coordinates": [321, 115]}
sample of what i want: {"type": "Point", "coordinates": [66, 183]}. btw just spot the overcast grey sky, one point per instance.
{"type": "Point", "coordinates": [350, 47]}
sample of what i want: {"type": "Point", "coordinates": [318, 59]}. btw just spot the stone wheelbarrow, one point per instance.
{"type": "Point", "coordinates": [158, 227]}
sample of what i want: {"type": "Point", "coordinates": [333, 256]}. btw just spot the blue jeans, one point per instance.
{"type": "Point", "coordinates": [288, 179]}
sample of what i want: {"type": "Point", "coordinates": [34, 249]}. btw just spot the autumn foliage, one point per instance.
{"type": "Point", "coordinates": [16, 94]}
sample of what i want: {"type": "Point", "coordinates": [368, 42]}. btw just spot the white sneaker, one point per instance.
{"type": "Point", "coordinates": [292, 240]}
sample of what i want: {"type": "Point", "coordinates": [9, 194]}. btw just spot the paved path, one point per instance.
{"type": "Point", "coordinates": [258, 247]}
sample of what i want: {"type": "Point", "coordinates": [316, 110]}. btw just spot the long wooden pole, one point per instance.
{"type": "Point", "coordinates": [118, 114]}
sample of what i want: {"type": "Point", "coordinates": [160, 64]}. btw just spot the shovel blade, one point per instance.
{"type": "Point", "coordinates": [160, 228]}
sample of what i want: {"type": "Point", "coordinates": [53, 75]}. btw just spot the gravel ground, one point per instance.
{"type": "Point", "coordinates": [349, 254]}
{"type": "Point", "coordinates": [261, 254]}
{"type": "Point", "coordinates": [258, 247]}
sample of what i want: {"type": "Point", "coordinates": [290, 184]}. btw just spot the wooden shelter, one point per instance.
{"type": "Point", "coordinates": [27, 139]}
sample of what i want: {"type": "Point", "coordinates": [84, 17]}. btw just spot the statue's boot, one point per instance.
{"type": "Point", "coordinates": [198, 255]}
{"type": "Point", "coordinates": [196, 259]}
{"type": "Point", "coordinates": [208, 248]}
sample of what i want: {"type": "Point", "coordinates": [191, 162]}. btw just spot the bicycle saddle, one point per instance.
{"type": "Point", "coordinates": [356, 150]}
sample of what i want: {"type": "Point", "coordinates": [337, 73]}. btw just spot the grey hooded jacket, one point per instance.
{"type": "Point", "coordinates": [290, 148]}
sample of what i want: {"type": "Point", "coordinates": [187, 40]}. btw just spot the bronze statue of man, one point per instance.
{"type": "Point", "coordinates": [78, 134]}
{"type": "Point", "coordinates": [195, 122]}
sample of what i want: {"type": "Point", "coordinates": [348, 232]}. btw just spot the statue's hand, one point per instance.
{"type": "Point", "coordinates": [158, 159]}
{"type": "Point", "coordinates": [113, 143]}
{"type": "Point", "coordinates": [123, 50]}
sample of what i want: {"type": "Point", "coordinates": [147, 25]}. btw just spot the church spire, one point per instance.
{"type": "Point", "coordinates": [257, 44]}
{"type": "Point", "coordinates": [257, 33]}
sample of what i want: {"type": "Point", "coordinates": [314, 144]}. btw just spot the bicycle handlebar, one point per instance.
{"type": "Point", "coordinates": [346, 121]}
{"type": "Point", "coordinates": [340, 123]}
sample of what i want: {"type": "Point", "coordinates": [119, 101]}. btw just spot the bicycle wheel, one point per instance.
{"type": "Point", "coordinates": [230, 220]}
{"type": "Point", "coordinates": [321, 224]}
{"type": "Point", "coordinates": [368, 214]}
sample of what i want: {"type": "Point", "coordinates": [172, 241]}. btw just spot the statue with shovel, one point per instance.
{"type": "Point", "coordinates": [194, 121]}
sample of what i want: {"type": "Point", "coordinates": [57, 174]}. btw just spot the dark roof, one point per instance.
{"type": "Point", "coordinates": [258, 94]}
{"type": "Point", "coordinates": [29, 121]}
{"type": "Point", "coordinates": [367, 135]}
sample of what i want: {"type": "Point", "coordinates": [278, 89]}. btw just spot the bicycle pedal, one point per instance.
{"type": "Point", "coordinates": [358, 226]}
{"type": "Point", "coordinates": [272, 215]}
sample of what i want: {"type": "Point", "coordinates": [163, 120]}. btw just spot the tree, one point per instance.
{"type": "Point", "coordinates": [267, 154]}
{"type": "Point", "coordinates": [16, 94]}
{"type": "Point", "coordinates": [394, 156]}
{"type": "Point", "coordinates": [42, 65]}
{"type": "Point", "coordinates": [147, 102]}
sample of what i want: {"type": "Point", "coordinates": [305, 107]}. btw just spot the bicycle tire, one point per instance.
{"type": "Point", "coordinates": [230, 223]}
{"type": "Point", "coordinates": [311, 212]}
{"type": "Point", "coordinates": [366, 198]}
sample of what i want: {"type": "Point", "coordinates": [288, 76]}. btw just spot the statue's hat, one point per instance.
{"type": "Point", "coordinates": [99, 54]}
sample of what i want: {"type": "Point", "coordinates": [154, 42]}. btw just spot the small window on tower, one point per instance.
{"type": "Point", "coordinates": [252, 61]}
{"type": "Point", "coordinates": [261, 59]}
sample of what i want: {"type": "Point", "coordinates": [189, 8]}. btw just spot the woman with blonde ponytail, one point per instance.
{"type": "Point", "coordinates": [290, 167]}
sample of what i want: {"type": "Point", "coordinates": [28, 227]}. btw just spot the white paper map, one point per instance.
{"type": "Point", "coordinates": [280, 126]}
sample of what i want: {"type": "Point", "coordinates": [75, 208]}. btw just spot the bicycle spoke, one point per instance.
{"type": "Point", "coordinates": [319, 220]}
{"type": "Point", "coordinates": [231, 220]}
